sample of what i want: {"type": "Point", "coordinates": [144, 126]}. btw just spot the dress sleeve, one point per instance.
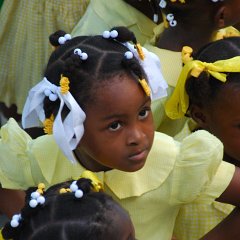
{"type": "Point", "coordinates": [199, 173]}
{"type": "Point", "coordinates": [14, 164]}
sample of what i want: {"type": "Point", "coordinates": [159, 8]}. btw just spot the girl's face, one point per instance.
{"type": "Point", "coordinates": [223, 119]}
{"type": "Point", "coordinates": [119, 127]}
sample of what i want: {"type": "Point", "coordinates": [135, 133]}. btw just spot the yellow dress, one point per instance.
{"type": "Point", "coordinates": [175, 174]}
{"type": "Point", "coordinates": [200, 218]}
{"type": "Point", "coordinates": [102, 15]}
{"type": "Point", "coordinates": [24, 30]}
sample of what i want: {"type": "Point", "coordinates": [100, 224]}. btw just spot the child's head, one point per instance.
{"type": "Point", "coordinates": [199, 13]}
{"type": "Point", "coordinates": [213, 102]}
{"type": "Point", "coordinates": [107, 86]}
{"type": "Point", "coordinates": [71, 210]}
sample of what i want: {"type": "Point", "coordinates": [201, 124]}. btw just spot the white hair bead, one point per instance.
{"type": "Point", "coordinates": [113, 33]}
{"type": "Point", "coordinates": [84, 56]}
{"type": "Point", "coordinates": [128, 55]}
{"type": "Point", "coordinates": [33, 203]}
{"type": "Point", "coordinates": [173, 23]}
{"type": "Point", "coordinates": [61, 40]}
{"type": "Point", "coordinates": [47, 92]}
{"type": "Point", "coordinates": [53, 97]}
{"type": "Point", "coordinates": [67, 36]}
{"type": "Point", "coordinates": [73, 187]}
{"type": "Point", "coordinates": [77, 51]}
{"type": "Point", "coordinates": [162, 4]}
{"type": "Point", "coordinates": [170, 17]}
{"type": "Point", "coordinates": [35, 195]}
{"type": "Point", "coordinates": [106, 34]}
{"type": "Point", "coordinates": [41, 200]}
{"type": "Point", "coordinates": [14, 223]}
{"type": "Point", "coordinates": [16, 217]}
{"type": "Point", "coordinates": [78, 193]}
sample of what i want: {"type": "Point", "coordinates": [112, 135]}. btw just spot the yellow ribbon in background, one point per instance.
{"type": "Point", "coordinates": [177, 105]}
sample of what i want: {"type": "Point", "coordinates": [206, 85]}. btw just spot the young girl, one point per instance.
{"type": "Point", "coordinates": [96, 101]}
{"type": "Point", "coordinates": [71, 210]}
{"type": "Point", "coordinates": [208, 91]}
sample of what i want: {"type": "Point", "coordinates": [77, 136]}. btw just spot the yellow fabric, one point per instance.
{"type": "Point", "coordinates": [102, 15]}
{"type": "Point", "coordinates": [200, 218]}
{"type": "Point", "coordinates": [24, 30]}
{"type": "Point", "coordinates": [178, 103]}
{"type": "Point", "coordinates": [1, 237]}
{"type": "Point", "coordinates": [174, 174]}
{"type": "Point", "coordinates": [226, 32]}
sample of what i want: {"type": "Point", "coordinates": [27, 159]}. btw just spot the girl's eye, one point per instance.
{"type": "Point", "coordinates": [114, 126]}
{"type": "Point", "coordinates": [144, 113]}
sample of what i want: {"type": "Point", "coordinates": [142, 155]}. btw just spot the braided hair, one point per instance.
{"type": "Point", "coordinates": [65, 217]}
{"type": "Point", "coordinates": [203, 90]}
{"type": "Point", "coordinates": [105, 60]}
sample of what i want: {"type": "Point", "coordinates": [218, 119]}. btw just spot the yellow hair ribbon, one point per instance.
{"type": "Point", "coordinates": [178, 103]}
{"type": "Point", "coordinates": [48, 125]}
{"type": "Point", "coordinates": [64, 84]}
{"type": "Point", "coordinates": [140, 51]}
{"type": "Point", "coordinates": [186, 54]}
{"type": "Point", "coordinates": [97, 185]}
{"type": "Point", "coordinates": [145, 87]}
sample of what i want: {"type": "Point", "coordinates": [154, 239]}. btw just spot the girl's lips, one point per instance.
{"type": "Point", "coordinates": [140, 156]}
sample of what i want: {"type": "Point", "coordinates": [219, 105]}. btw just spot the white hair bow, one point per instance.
{"type": "Point", "coordinates": [67, 133]}
{"type": "Point", "coordinates": [152, 67]}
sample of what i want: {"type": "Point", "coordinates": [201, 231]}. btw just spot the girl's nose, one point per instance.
{"type": "Point", "coordinates": [135, 135]}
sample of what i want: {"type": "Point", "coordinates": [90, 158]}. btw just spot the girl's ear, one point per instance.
{"type": "Point", "coordinates": [199, 116]}
{"type": "Point", "coordinates": [220, 17]}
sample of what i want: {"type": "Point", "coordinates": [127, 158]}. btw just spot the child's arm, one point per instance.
{"type": "Point", "coordinates": [232, 193]}
{"type": "Point", "coordinates": [11, 202]}
{"type": "Point", "coordinates": [228, 229]}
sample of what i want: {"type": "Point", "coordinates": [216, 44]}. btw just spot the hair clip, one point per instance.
{"type": "Point", "coordinates": [170, 18]}
{"type": "Point", "coordinates": [48, 125]}
{"type": "Point", "coordinates": [97, 184]}
{"type": "Point", "coordinates": [15, 220]}
{"type": "Point", "coordinates": [63, 39]}
{"type": "Point", "coordinates": [145, 86]}
{"type": "Point", "coordinates": [64, 84]}
{"type": "Point", "coordinates": [140, 51]}
{"type": "Point", "coordinates": [128, 55]}
{"type": "Point", "coordinates": [51, 94]}
{"type": "Point", "coordinates": [110, 34]}
{"type": "Point", "coordinates": [74, 188]}
{"type": "Point", "coordinates": [81, 54]}
{"type": "Point", "coordinates": [36, 197]}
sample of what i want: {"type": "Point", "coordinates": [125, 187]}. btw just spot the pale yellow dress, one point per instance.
{"type": "Point", "coordinates": [25, 26]}
{"type": "Point", "coordinates": [102, 15]}
{"type": "Point", "coordinates": [175, 174]}
{"type": "Point", "coordinates": [200, 218]}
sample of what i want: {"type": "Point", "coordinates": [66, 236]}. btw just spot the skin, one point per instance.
{"type": "Point", "coordinates": [121, 131]}
{"type": "Point", "coordinates": [222, 119]}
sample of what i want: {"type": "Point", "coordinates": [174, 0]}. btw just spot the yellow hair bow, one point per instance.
{"type": "Point", "coordinates": [178, 103]}
{"type": "Point", "coordinates": [97, 185]}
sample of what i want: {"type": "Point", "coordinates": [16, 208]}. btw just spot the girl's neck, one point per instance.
{"type": "Point", "coordinates": [174, 38]}
{"type": "Point", "coordinates": [231, 160]}
{"type": "Point", "coordinates": [88, 163]}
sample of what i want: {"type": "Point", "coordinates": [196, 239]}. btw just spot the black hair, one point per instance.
{"type": "Point", "coordinates": [203, 90]}
{"type": "Point", "coordinates": [192, 12]}
{"type": "Point", "coordinates": [105, 60]}
{"type": "Point", "coordinates": [65, 217]}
